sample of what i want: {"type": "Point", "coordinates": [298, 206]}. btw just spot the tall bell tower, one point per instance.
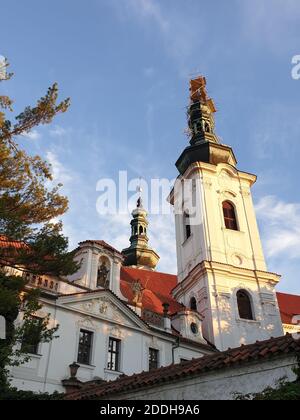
{"type": "Point", "coordinates": [220, 258]}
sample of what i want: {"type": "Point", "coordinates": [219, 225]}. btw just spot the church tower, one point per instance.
{"type": "Point", "coordinates": [221, 264]}
{"type": "Point", "coordinates": [139, 254]}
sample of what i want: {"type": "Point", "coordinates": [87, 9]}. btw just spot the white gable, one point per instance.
{"type": "Point", "coordinates": [103, 305]}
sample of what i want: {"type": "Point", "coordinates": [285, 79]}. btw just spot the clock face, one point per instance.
{"type": "Point", "coordinates": [194, 328]}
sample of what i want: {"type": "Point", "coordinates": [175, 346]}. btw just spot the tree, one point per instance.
{"type": "Point", "coordinates": [28, 207]}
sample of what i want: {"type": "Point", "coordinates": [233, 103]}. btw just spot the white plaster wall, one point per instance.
{"type": "Point", "coordinates": [210, 240]}
{"type": "Point", "coordinates": [44, 372]}
{"type": "Point", "coordinates": [224, 384]}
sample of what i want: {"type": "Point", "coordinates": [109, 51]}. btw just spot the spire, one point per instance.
{"type": "Point", "coordinates": [204, 144]}
{"type": "Point", "coordinates": [201, 113]}
{"type": "Point", "coordinates": [139, 253]}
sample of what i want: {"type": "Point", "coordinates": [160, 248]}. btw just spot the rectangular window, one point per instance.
{"type": "Point", "coordinates": [85, 347]}
{"type": "Point", "coordinates": [114, 346]}
{"type": "Point", "coordinates": [187, 225]}
{"type": "Point", "coordinates": [31, 336]}
{"type": "Point", "coordinates": [153, 359]}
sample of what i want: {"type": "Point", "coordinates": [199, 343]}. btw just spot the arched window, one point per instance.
{"type": "Point", "coordinates": [193, 304]}
{"type": "Point", "coordinates": [207, 128]}
{"type": "Point", "coordinates": [141, 230]}
{"type": "Point", "coordinates": [229, 216]}
{"type": "Point", "coordinates": [187, 225]}
{"type": "Point", "coordinates": [244, 305]}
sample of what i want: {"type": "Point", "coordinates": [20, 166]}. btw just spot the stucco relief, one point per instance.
{"type": "Point", "coordinates": [87, 322]}
{"type": "Point", "coordinates": [116, 332]}
{"type": "Point", "coordinates": [237, 259]}
{"type": "Point", "coordinates": [245, 192]}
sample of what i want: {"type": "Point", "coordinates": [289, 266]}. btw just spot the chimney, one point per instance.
{"type": "Point", "coordinates": [167, 321]}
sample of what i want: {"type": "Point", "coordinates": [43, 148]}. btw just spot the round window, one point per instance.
{"type": "Point", "coordinates": [194, 328]}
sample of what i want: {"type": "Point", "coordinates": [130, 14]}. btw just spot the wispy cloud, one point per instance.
{"type": "Point", "coordinates": [32, 135]}
{"type": "Point", "coordinates": [281, 227]}
{"type": "Point", "coordinates": [60, 173]}
{"type": "Point", "coordinates": [181, 35]}
{"type": "Point", "coordinates": [57, 131]}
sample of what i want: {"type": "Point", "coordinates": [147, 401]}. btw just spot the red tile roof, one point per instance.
{"type": "Point", "coordinates": [157, 290]}
{"type": "Point", "coordinates": [275, 347]}
{"type": "Point", "coordinates": [158, 286]}
{"type": "Point", "coordinates": [289, 306]}
{"type": "Point", "coordinates": [6, 243]}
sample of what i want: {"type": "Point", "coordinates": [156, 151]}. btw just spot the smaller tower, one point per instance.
{"type": "Point", "coordinates": [139, 254]}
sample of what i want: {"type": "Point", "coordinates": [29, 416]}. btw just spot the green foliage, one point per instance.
{"type": "Point", "coordinates": [28, 206]}
{"type": "Point", "coordinates": [14, 394]}
{"type": "Point", "coordinates": [284, 391]}
{"type": "Point", "coordinates": [13, 300]}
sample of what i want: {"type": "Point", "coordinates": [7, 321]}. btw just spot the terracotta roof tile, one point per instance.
{"type": "Point", "coordinates": [157, 290]}
{"type": "Point", "coordinates": [289, 306]}
{"type": "Point", "coordinates": [274, 347]}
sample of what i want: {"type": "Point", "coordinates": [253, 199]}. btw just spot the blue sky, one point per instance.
{"type": "Point", "coordinates": [126, 65]}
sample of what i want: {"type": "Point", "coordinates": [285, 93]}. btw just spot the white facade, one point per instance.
{"type": "Point", "coordinates": [214, 262]}
{"type": "Point", "coordinates": [104, 314]}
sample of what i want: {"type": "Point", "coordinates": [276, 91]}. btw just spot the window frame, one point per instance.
{"type": "Point", "coordinates": [33, 346]}
{"type": "Point", "coordinates": [248, 313]}
{"type": "Point", "coordinates": [153, 351]}
{"type": "Point", "coordinates": [193, 302]}
{"type": "Point", "coordinates": [187, 226]}
{"type": "Point", "coordinates": [90, 347]}
{"type": "Point", "coordinates": [230, 221]}
{"type": "Point", "coordinates": [114, 354]}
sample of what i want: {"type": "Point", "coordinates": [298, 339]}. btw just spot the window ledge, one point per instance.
{"type": "Point", "coordinates": [248, 321]}
{"type": "Point", "coordinates": [33, 355]}
{"type": "Point", "coordinates": [91, 367]}
{"type": "Point", "coordinates": [235, 232]}
{"type": "Point", "coordinates": [114, 372]}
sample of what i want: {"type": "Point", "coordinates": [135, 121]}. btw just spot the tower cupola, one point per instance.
{"type": "Point", "coordinates": [204, 143]}
{"type": "Point", "coordinates": [139, 253]}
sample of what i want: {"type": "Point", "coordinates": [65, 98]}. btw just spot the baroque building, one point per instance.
{"type": "Point", "coordinates": [118, 315]}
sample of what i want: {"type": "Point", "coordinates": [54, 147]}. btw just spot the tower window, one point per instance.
{"type": "Point", "coordinates": [244, 305]}
{"type": "Point", "coordinates": [193, 304]}
{"type": "Point", "coordinates": [187, 225]}
{"type": "Point", "coordinates": [207, 128]}
{"type": "Point", "coordinates": [141, 230]}
{"type": "Point", "coordinates": [229, 216]}
{"type": "Point", "coordinates": [114, 347]}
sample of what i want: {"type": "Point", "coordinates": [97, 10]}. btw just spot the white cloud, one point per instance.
{"type": "Point", "coordinates": [60, 173]}
{"type": "Point", "coordinates": [280, 227]}
{"type": "Point", "coordinates": [162, 239]}
{"type": "Point", "coordinates": [57, 131]}
{"type": "Point", "coordinates": [32, 135]}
